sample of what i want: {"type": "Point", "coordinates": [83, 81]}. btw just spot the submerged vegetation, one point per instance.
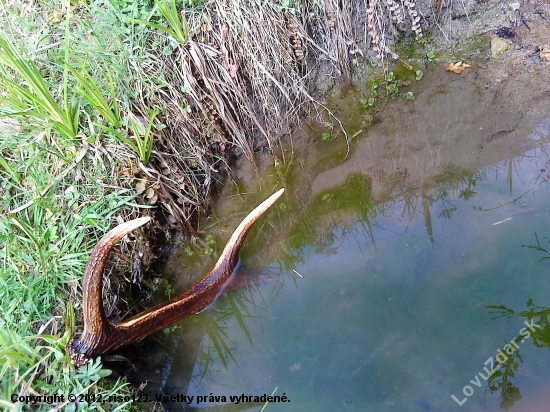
{"type": "Point", "coordinates": [109, 109]}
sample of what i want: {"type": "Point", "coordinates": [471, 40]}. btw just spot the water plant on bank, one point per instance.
{"type": "Point", "coordinates": [393, 85]}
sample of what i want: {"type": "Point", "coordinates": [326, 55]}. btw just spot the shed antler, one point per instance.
{"type": "Point", "coordinates": [100, 336]}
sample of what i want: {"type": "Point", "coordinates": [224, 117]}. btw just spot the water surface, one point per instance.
{"type": "Point", "coordinates": [386, 282]}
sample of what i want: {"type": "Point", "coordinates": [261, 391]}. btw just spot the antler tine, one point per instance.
{"type": "Point", "coordinates": [95, 321]}
{"type": "Point", "coordinates": [231, 250]}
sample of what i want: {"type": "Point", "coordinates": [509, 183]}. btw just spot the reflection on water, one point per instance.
{"type": "Point", "coordinates": [382, 301]}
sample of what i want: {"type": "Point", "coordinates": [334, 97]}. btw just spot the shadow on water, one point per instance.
{"type": "Point", "coordinates": [366, 287]}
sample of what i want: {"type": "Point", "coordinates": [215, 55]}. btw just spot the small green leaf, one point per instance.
{"type": "Point", "coordinates": [373, 88]}
{"type": "Point", "coordinates": [392, 88]}
{"type": "Point", "coordinates": [210, 240]}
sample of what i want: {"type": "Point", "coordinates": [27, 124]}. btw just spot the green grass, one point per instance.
{"type": "Point", "coordinates": [177, 23]}
{"type": "Point", "coordinates": [89, 90]}
{"type": "Point", "coordinates": [27, 94]}
{"type": "Point", "coordinates": [58, 194]}
{"type": "Point", "coordinates": [53, 212]}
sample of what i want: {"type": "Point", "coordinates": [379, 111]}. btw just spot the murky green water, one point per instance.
{"type": "Point", "coordinates": [376, 295]}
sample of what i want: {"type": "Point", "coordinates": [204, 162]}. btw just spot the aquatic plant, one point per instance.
{"type": "Point", "coordinates": [368, 103]}
{"type": "Point", "coordinates": [393, 90]}
{"type": "Point", "coordinates": [409, 96]}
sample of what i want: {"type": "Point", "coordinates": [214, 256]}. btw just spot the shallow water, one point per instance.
{"type": "Point", "coordinates": [390, 281]}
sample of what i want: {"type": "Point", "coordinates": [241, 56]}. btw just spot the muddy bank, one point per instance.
{"type": "Point", "coordinates": [473, 120]}
{"type": "Point", "coordinates": [495, 110]}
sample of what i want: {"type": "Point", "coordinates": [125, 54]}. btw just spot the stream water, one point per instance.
{"type": "Point", "coordinates": [385, 282]}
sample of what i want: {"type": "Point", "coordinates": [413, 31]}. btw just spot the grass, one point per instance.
{"type": "Point", "coordinates": [59, 196]}
{"type": "Point", "coordinates": [27, 94]}
{"type": "Point", "coordinates": [88, 89]}
{"type": "Point", "coordinates": [32, 97]}
{"type": "Point", "coordinates": [177, 23]}
{"type": "Point", "coordinates": [50, 219]}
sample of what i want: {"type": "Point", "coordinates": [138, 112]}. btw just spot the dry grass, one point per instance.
{"type": "Point", "coordinates": [239, 81]}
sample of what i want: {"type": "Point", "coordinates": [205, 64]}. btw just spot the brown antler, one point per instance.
{"type": "Point", "coordinates": [100, 336]}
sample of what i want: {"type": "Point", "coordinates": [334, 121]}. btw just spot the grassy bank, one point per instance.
{"type": "Point", "coordinates": [116, 108]}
